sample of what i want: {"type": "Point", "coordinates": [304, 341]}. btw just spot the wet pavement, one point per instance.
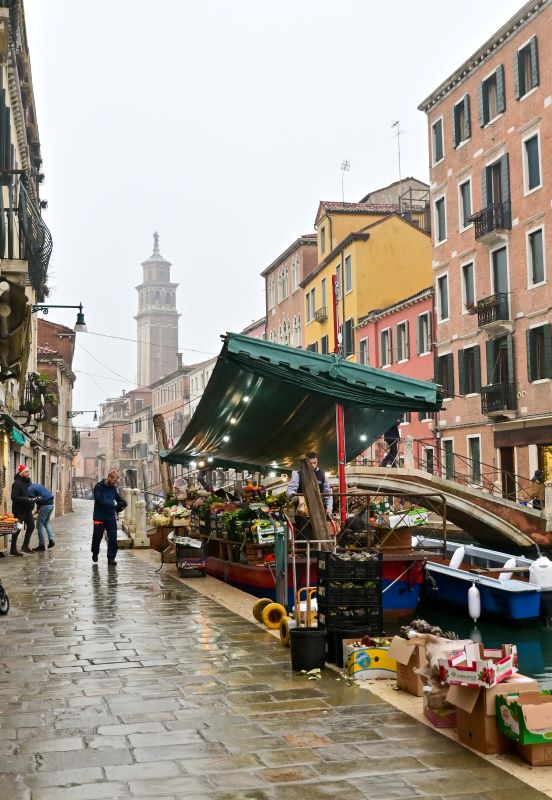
{"type": "Point", "coordinates": [116, 682]}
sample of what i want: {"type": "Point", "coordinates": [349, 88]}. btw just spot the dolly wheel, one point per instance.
{"type": "Point", "coordinates": [4, 604]}
{"type": "Point", "coordinates": [284, 631]}
{"type": "Point", "coordinates": [258, 608]}
{"type": "Point", "coordinates": [272, 615]}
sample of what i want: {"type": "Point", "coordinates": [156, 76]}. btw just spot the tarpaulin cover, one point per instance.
{"type": "Point", "coordinates": [267, 404]}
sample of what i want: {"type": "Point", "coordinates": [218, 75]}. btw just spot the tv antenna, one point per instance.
{"type": "Point", "coordinates": [396, 124]}
{"type": "Point", "coordinates": [345, 167]}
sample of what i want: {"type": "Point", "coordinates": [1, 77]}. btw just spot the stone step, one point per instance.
{"type": "Point", "coordinates": [123, 540]}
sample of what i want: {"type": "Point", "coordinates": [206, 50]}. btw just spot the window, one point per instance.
{"type": "Point", "coordinates": [406, 418]}
{"type": "Point", "coordinates": [442, 297]}
{"type": "Point", "coordinates": [492, 100]}
{"type": "Point", "coordinates": [363, 352]}
{"type": "Point", "coordinates": [425, 415]}
{"type": "Point", "coordinates": [526, 69]}
{"type": "Point", "coordinates": [313, 347]}
{"type": "Point", "coordinates": [322, 240]}
{"type": "Point", "coordinates": [386, 350]}
{"type": "Point", "coordinates": [469, 370]}
{"type": "Point", "coordinates": [448, 459]}
{"type": "Point", "coordinates": [403, 345]}
{"type": "Point", "coordinates": [338, 286]}
{"type": "Point", "coordinates": [313, 302]}
{"type": "Point", "coordinates": [309, 310]}
{"type": "Point", "coordinates": [461, 123]}
{"type": "Point", "coordinates": [323, 292]}
{"type": "Point", "coordinates": [539, 352]}
{"type": "Point", "coordinates": [445, 374]}
{"type": "Point", "coordinates": [535, 257]}
{"type": "Point", "coordinates": [440, 220]}
{"type": "Point", "coordinates": [271, 292]}
{"type": "Point", "coordinates": [465, 204]}
{"type": "Point", "coordinates": [295, 274]}
{"type": "Point", "coordinates": [280, 285]}
{"type": "Point", "coordinates": [437, 139]}
{"type": "Point", "coordinates": [468, 285]}
{"type": "Point", "coordinates": [474, 456]}
{"type": "Point", "coordinates": [324, 345]}
{"type": "Point", "coordinates": [423, 334]}
{"type": "Point", "coordinates": [531, 163]}
{"type": "Point", "coordinates": [348, 275]}
{"type": "Point", "coordinates": [348, 341]}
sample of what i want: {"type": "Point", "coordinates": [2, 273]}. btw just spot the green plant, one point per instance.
{"type": "Point", "coordinates": [50, 398]}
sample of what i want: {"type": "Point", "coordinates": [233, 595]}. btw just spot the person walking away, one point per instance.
{"type": "Point", "coordinates": [45, 506]}
{"type": "Point", "coordinates": [22, 508]}
{"type": "Point", "coordinates": [107, 504]}
{"type": "Point", "coordinates": [537, 493]}
{"type": "Point", "coordinates": [295, 486]}
{"type": "Point", "coordinates": [391, 437]}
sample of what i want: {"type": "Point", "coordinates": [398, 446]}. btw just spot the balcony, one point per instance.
{"type": "Point", "coordinates": [493, 314]}
{"type": "Point", "coordinates": [498, 400]}
{"type": "Point", "coordinates": [492, 222]}
{"type": "Point", "coordinates": [321, 314]}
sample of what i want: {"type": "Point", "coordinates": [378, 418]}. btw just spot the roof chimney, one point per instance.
{"type": "Point", "coordinates": [179, 360]}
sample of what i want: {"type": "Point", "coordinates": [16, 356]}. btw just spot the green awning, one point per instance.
{"type": "Point", "coordinates": [17, 437]}
{"type": "Point", "coordinates": [267, 404]}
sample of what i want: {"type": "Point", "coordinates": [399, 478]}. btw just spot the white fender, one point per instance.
{"type": "Point", "coordinates": [457, 557]}
{"type": "Point", "coordinates": [505, 576]}
{"type": "Point", "coordinates": [474, 602]}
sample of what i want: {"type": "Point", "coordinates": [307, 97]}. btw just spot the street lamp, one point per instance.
{"type": "Point", "coordinates": [71, 414]}
{"type": "Point", "coordinates": [80, 325]}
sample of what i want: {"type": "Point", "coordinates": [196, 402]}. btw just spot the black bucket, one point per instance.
{"type": "Point", "coordinates": [336, 636]}
{"type": "Point", "coordinates": [308, 648]}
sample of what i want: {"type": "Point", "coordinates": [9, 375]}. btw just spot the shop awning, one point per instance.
{"type": "Point", "coordinates": [267, 404]}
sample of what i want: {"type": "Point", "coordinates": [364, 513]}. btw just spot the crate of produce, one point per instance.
{"type": "Point", "coordinates": [331, 617]}
{"type": "Point", "coordinates": [344, 566]}
{"type": "Point", "coordinates": [191, 556]}
{"type": "Point", "coordinates": [257, 553]}
{"type": "Point", "coordinates": [349, 593]}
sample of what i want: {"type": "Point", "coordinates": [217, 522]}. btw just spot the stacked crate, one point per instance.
{"type": "Point", "coordinates": [349, 596]}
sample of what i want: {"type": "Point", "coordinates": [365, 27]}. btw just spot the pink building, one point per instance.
{"type": "Point", "coordinates": [257, 329]}
{"type": "Point", "coordinates": [399, 338]}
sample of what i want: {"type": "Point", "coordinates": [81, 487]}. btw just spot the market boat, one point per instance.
{"type": "Point", "coordinates": [503, 593]}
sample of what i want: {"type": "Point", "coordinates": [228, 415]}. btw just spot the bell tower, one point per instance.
{"type": "Point", "coordinates": [157, 319]}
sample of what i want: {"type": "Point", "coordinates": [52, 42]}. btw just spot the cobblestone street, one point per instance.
{"type": "Point", "coordinates": [120, 683]}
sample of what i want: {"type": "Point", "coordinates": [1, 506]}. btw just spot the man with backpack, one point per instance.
{"type": "Point", "coordinates": [107, 504]}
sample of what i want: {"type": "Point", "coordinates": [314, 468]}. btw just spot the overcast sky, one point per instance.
{"type": "Point", "coordinates": [221, 125]}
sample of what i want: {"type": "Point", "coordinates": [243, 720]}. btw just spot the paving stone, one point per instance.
{"type": "Point", "coordinates": [84, 758]}
{"type": "Point", "coordinates": [186, 783]}
{"type": "Point", "coordinates": [66, 777]}
{"type": "Point", "coordinates": [178, 751]}
{"type": "Point", "coordinates": [87, 791]}
{"type": "Point", "coordinates": [147, 771]}
{"type": "Point", "coordinates": [61, 743]}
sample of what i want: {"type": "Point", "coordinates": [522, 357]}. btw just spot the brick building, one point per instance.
{"type": "Point", "coordinates": [490, 126]}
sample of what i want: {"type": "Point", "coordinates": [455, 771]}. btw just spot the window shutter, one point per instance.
{"type": "Point", "coordinates": [461, 373]}
{"type": "Point", "coordinates": [406, 353]}
{"type": "Point", "coordinates": [510, 347]}
{"type": "Point", "coordinates": [477, 368]}
{"type": "Point", "coordinates": [534, 63]}
{"type": "Point", "coordinates": [390, 340]}
{"type": "Point", "coordinates": [490, 361]}
{"type": "Point", "coordinates": [505, 178]}
{"type": "Point", "coordinates": [484, 197]}
{"type": "Point", "coordinates": [430, 329]}
{"type": "Point", "coordinates": [529, 346]}
{"type": "Point", "coordinates": [418, 337]}
{"type": "Point", "coordinates": [500, 95]}
{"type": "Point", "coordinates": [467, 118]}
{"type": "Point", "coordinates": [481, 105]}
{"type": "Point", "coordinates": [455, 137]}
{"type": "Point", "coordinates": [449, 363]}
{"type": "Point", "coordinates": [547, 350]}
{"type": "Point", "coordinates": [516, 74]}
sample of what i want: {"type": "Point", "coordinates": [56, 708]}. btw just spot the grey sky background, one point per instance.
{"type": "Point", "coordinates": [221, 125]}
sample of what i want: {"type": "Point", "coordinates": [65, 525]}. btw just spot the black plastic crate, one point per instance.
{"type": "Point", "coordinates": [332, 566]}
{"type": "Point", "coordinates": [335, 638]}
{"type": "Point", "coordinates": [191, 561]}
{"type": "Point", "coordinates": [338, 615]}
{"type": "Point", "coordinates": [331, 593]}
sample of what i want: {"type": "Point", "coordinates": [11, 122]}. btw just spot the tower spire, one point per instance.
{"type": "Point", "coordinates": [156, 244]}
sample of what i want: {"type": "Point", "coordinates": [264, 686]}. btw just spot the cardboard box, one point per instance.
{"type": "Point", "coordinates": [409, 657]}
{"type": "Point", "coordinates": [539, 755]}
{"type": "Point", "coordinates": [527, 717]}
{"type": "Point", "coordinates": [477, 665]}
{"type": "Point", "coordinates": [437, 709]}
{"type": "Point", "coordinates": [476, 713]}
{"type": "Point", "coordinates": [367, 663]}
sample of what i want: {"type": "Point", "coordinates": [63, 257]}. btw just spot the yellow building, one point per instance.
{"type": "Point", "coordinates": [377, 257]}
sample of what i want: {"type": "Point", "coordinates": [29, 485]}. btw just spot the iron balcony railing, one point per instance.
{"type": "Point", "coordinates": [492, 309]}
{"type": "Point", "coordinates": [321, 314]}
{"type": "Point", "coordinates": [496, 217]}
{"type": "Point", "coordinates": [498, 397]}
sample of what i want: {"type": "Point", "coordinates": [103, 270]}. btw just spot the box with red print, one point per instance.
{"type": "Point", "coordinates": [478, 665]}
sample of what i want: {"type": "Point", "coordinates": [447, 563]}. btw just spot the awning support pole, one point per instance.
{"type": "Point", "coordinates": [339, 420]}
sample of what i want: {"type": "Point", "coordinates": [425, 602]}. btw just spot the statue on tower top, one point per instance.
{"type": "Point", "coordinates": [156, 244]}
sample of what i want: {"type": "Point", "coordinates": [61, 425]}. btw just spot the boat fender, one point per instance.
{"type": "Point", "coordinates": [272, 614]}
{"type": "Point", "coordinates": [259, 607]}
{"type": "Point", "coordinates": [540, 573]}
{"type": "Point", "coordinates": [474, 602]}
{"type": "Point", "coordinates": [505, 576]}
{"type": "Point", "coordinates": [457, 557]}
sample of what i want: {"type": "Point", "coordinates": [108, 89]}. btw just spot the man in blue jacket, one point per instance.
{"type": "Point", "coordinates": [45, 506]}
{"type": "Point", "coordinates": [107, 504]}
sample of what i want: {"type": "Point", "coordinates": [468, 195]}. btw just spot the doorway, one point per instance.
{"type": "Point", "coordinates": [507, 473]}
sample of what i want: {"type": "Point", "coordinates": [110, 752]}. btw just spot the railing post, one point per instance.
{"type": "Point", "coordinates": [548, 505]}
{"type": "Point", "coordinates": [126, 517]}
{"type": "Point", "coordinates": [408, 452]}
{"type": "Point", "coordinates": [140, 538]}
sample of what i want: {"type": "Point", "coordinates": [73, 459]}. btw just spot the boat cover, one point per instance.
{"type": "Point", "coordinates": [266, 404]}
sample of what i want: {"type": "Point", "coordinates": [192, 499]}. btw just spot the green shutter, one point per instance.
{"type": "Point", "coordinates": [505, 178]}
{"type": "Point", "coordinates": [548, 350]}
{"type": "Point", "coordinates": [467, 118]}
{"type": "Point", "coordinates": [516, 74]}
{"type": "Point", "coordinates": [456, 138]}
{"type": "Point", "coordinates": [484, 196]}
{"type": "Point", "coordinates": [450, 374]}
{"type": "Point", "coordinates": [534, 63]}
{"type": "Point", "coordinates": [481, 105]}
{"type": "Point", "coordinates": [510, 348]}
{"type": "Point", "coordinates": [461, 373]}
{"type": "Point", "coordinates": [477, 368]}
{"type": "Point", "coordinates": [490, 348]}
{"type": "Point", "coordinates": [530, 354]}
{"type": "Point", "coordinates": [500, 94]}
{"type": "Point", "coordinates": [418, 337]}
{"type": "Point", "coordinates": [406, 354]}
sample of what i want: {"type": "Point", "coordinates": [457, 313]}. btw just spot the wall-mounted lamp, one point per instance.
{"type": "Point", "coordinates": [80, 325]}
{"type": "Point", "coordinates": [71, 414]}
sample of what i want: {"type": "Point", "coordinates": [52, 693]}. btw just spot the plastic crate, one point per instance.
{"type": "Point", "coordinates": [336, 616]}
{"type": "Point", "coordinates": [332, 566]}
{"type": "Point", "coordinates": [345, 631]}
{"type": "Point", "coordinates": [191, 561]}
{"type": "Point", "coordinates": [358, 595]}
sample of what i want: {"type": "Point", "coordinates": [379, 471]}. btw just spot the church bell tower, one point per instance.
{"type": "Point", "coordinates": [157, 319]}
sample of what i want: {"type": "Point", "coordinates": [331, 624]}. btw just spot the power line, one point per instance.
{"type": "Point", "coordinates": [140, 341]}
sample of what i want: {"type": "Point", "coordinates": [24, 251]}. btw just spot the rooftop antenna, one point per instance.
{"type": "Point", "coordinates": [396, 124]}
{"type": "Point", "coordinates": [345, 167]}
